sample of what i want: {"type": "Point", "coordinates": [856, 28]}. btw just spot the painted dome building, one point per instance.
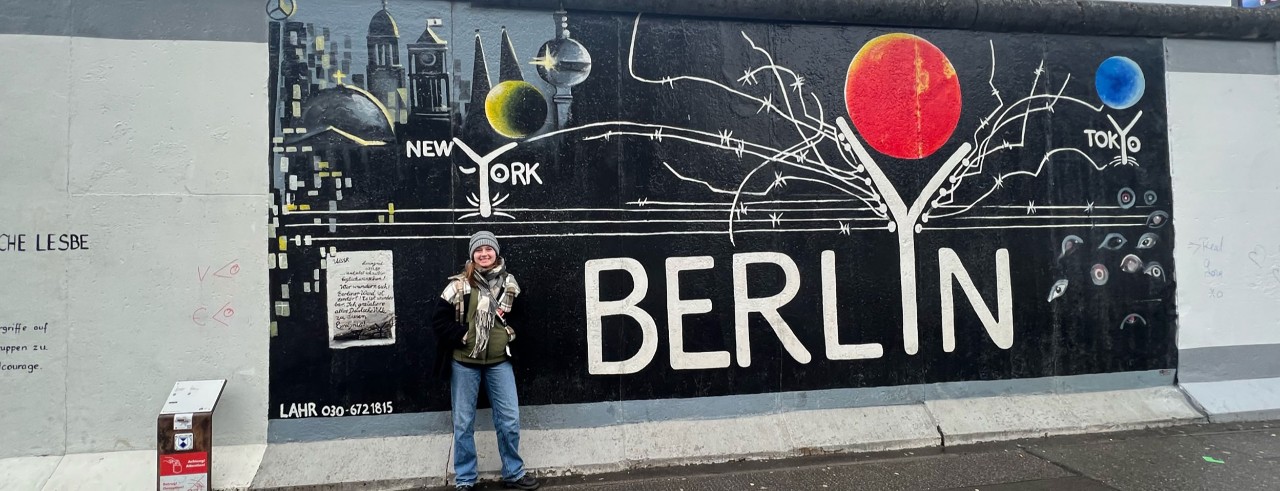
{"type": "Point", "coordinates": [384, 72]}
{"type": "Point", "coordinates": [349, 115]}
{"type": "Point", "coordinates": [348, 148]}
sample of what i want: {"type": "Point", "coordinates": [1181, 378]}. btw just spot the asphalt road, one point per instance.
{"type": "Point", "coordinates": [1243, 456]}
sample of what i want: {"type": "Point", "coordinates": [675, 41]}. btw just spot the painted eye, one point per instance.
{"type": "Point", "coordinates": [1069, 245]}
{"type": "Point", "coordinates": [1154, 270]}
{"type": "Point", "coordinates": [1148, 240]}
{"type": "Point", "coordinates": [1125, 198]}
{"type": "Point", "coordinates": [1149, 198]}
{"type": "Point", "coordinates": [1059, 287]}
{"type": "Point", "coordinates": [1099, 274]}
{"type": "Point", "coordinates": [1113, 241]}
{"type": "Point", "coordinates": [1131, 264]}
{"type": "Point", "coordinates": [1157, 219]}
{"type": "Point", "coordinates": [1133, 320]}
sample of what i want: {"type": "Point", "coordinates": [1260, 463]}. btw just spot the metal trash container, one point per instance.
{"type": "Point", "coordinates": [184, 449]}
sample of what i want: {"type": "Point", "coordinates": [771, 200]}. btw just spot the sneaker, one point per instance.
{"type": "Point", "coordinates": [526, 482]}
{"type": "Point", "coordinates": [465, 487]}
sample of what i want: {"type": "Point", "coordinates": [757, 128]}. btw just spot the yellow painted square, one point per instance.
{"type": "Point", "coordinates": [284, 243]}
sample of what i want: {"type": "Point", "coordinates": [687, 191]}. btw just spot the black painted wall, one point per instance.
{"type": "Point", "coordinates": [648, 166]}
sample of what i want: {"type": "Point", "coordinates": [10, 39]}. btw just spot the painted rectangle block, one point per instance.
{"type": "Point", "coordinates": [361, 303]}
{"type": "Point", "coordinates": [700, 208]}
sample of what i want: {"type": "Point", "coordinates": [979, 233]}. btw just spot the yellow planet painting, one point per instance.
{"type": "Point", "coordinates": [515, 108]}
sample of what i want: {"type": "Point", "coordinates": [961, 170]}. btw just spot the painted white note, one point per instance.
{"type": "Point", "coordinates": [361, 299]}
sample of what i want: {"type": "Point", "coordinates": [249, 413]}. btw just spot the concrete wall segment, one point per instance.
{"type": "Point", "coordinates": [33, 319]}
{"type": "Point", "coordinates": [51, 18]}
{"type": "Point", "coordinates": [1222, 151]}
{"type": "Point", "coordinates": [191, 311]}
{"type": "Point", "coordinates": [138, 126]}
{"type": "Point", "coordinates": [33, 158]}
{"type": "Point", "coordinates": [1193, 55]}
{"type": "Point", "coordinates": [154, 149]}
{"type": "Point", "coordinates": [238, 20]}
{"type": "Point", "coordinates": [223, 20]}
{"type": "Point", "coordinates": [616, 95]}
{"type": "Point", "coordinates": [1206, 3]}
{"type": "Point", "coordinates": [1183, 18]}
{"type": "Point", "coordinates": [1224, 98]}
{"type": "Point", "coordinates": [111, 144]}
{"type": "Point", "coordinates": [36, 91]}
{"type": "Point", "coordinates": [1234, 362]}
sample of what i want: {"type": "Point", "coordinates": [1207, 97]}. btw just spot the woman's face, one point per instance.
{"type": "Point", "coordinates": [484, 256]}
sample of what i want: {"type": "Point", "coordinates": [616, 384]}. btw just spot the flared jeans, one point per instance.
{"type": "Point", "coordinates": [500, 384]}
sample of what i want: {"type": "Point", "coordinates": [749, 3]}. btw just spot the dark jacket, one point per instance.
{"type": "Point", "coordinates": [449, 332]}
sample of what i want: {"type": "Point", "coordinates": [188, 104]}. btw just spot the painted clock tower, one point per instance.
{"type": "Point", "coordinates": [428, 80]}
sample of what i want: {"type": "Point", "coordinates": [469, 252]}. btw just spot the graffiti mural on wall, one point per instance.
{"type": "Point", "coordinates": [705, 208]}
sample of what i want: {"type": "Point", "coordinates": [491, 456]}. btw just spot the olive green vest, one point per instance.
{"type": "Point", "coordinates": [495, 353]}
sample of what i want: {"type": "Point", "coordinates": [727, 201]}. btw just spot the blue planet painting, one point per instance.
{"type": "Point", "coordinates": [1120, 82]}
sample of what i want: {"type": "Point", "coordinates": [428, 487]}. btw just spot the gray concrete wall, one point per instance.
{"type": "Point", "coordinates": [1224, 102]}
{"type": "Point", "coordinates": [141, 127]}
{"type": "Point", "coordinates": [1224, 115]}
{"type": "Point", "coordinates": [137, 126]}
{"type": "Point", "coordinates": [1208, 3]}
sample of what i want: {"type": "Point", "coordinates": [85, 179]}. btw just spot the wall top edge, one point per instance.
{"type": "Point", "coordinates": [1082, 17]}
{"type": "Point", "coordinates": [245, 21]}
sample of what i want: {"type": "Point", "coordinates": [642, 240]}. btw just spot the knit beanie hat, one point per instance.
{"type": "Point", "coordinates": [482, 238]}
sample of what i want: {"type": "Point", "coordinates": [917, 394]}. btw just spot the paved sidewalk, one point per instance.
{"type": "Point", "coordinates": [1184, 457]}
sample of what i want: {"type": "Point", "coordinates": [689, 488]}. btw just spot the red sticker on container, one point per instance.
{"type": "Point", "coordinates": [184, 463]}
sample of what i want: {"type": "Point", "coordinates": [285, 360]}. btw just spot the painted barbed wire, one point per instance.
{"type": "Point", "coordinates": [859, 176]}
{"type": "Point", "coordinates": [803, 157]}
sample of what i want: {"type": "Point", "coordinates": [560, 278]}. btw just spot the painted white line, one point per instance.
{"type": "Point", "coordinates": [1064, 225]}
{"type": "Point", "coordinates": [1046, 217]}
{"type": "Point", "coordinates": [557, 210]}
{"type": "Point", "coordinates": [604, 234]}
{"type": "Point", "coordinates": [727, 204]}
{"type": "Point", "coordinates": [573, 222]}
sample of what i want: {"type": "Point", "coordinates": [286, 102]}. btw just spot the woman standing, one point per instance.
{"type": "Point", "coordinates": [471, 318]}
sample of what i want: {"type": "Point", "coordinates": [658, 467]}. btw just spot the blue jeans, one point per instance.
{"type": "Point", "coordinates": [500, 382]}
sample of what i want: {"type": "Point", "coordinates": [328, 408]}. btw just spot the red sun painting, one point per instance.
{"type": "Point", "coordinates": [903, 95]}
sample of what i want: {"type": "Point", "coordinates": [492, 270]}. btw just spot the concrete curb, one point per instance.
{"type": "Point", "coordinates": [417, 461]}
{"type": "Point", "coordinates": [234, 467]}
{"type": "Point", "coordinates": [1236, 400]}
{"type": "Point", "coordinates": [409, 462]}
{"type": "Point", "coordinates": [390, 462]}
{"type": "Point", "coordinates": [25, 473]}
{"type": "Point", "coordinates": [986, 419]}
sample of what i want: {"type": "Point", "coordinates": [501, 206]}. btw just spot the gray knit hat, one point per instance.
{"type": "Point", "coordinates": [481, 238]}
